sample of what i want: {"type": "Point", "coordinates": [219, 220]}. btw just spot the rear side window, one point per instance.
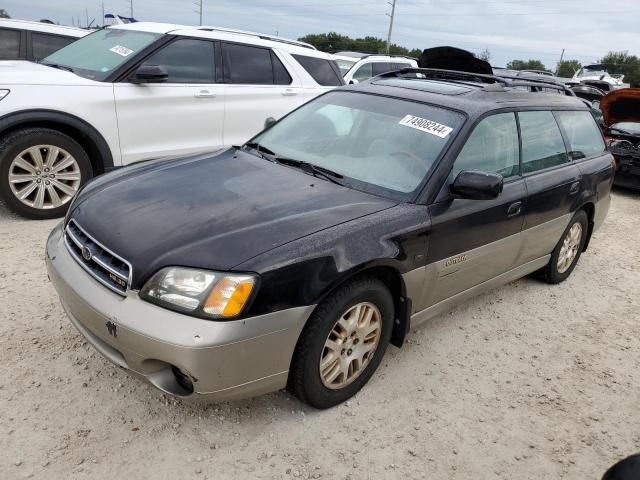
{"type": "Point", "coordinates": [44, 44]}
{"type": "Point", "coordinates": [325, 72]}
{"type": "Point", "coordinates": [492, 147]}
{"type": "Point", "coordinates": [542, 143]}
{"type": "Point", "coordinates": [9, 44]}
{"type": "Point", "coordinates": [585, 139]}
{"type": "Point", "coordinates": [186, 61]}
{"type": "Point", "coordinates": [245, 64]}
{"type": "Point", "coordinates": [381, 67]}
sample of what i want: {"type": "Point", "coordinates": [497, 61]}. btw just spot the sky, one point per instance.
{"type": "Point", "coordinates": [509, 29]}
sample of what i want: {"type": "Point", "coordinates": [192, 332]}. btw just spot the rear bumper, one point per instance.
{"type": "Point", "coordinates": [223, 360]}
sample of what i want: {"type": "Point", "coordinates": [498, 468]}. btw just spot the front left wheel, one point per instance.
{"type": "Point", "coordinates": [342, 344]}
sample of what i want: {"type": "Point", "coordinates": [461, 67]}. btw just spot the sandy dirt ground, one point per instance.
{"type": "Point", "coordinates": [530, 381]}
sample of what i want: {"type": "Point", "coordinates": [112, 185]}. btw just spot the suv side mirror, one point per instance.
{"type": "Point", "coordinates": [353, 81]}
{"type": "Point", "coordinates": [150, 74]}
{"type": "Point", "coordinates": [475, 185]}
{"type": "Point", "coordinates": [269, 122]}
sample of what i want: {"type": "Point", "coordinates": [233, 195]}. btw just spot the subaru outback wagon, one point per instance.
{"type": "Point", "coordinates": [295, 259]}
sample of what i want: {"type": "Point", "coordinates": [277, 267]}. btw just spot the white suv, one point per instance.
{"type": "Point", "coordinates": [356, 67]}
{"type": "Point", "coordinates": [142, 91]}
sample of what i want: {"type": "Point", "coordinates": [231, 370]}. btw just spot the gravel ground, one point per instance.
{"type": "Point", "coordinates": [528, 382]}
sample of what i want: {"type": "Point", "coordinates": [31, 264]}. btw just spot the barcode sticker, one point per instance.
{"type": "Point", "coordinates": [122, 51]}
{"type": "Point", "coordinates": [424, 125]}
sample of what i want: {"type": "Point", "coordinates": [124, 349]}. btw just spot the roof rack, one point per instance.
{"type": "Point", "coordinates": [505, 81]}
{"type": "Point", "coordinates": [259, 35]}
{"type": "Point", "coordinates": [362, 55]}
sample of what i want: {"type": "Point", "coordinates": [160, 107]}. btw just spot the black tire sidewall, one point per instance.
{"type": "Point", "coordinates": [321, 324]}
{"type": "Point", "coordinates": [18, 141]}
{"type": "Point", "coordinates": [552, 273]}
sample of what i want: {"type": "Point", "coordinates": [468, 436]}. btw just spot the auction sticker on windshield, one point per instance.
{"type": "Point", "coordinates": [122, 51]}
{"type": "Point", "coordinates": [424, 125]}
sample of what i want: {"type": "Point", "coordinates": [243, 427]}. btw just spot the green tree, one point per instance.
{"type": "Point", "coordinates": [4, 13]}
{"type": "Point", "coordinates": [484, 55]}
{"type": "Point", "coordinates": [334, 42]}
{"type": "Point", "coordinates": [567, 68]}
{"type": "Point", "coordinates": [528, 65]}
{"type": "Point", "coordinates": [623, 63]}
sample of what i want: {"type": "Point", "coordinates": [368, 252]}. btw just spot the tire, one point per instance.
{"type": "Point", "coordinates": [305, 378]}
{"type": "Point", "coordinates": [557, 271]}
{"type": "Point", "coordinates": [28, 155]}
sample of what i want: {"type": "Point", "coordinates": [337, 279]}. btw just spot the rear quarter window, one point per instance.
{"type": "Point", "coordinates": [9, 44]}
{"type": "Point", "coordinates": [325, 72]}
{"type": "Point", "coordinates": [584, 136]}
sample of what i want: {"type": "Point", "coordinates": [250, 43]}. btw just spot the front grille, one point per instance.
{"type": "Point", "coordinates": [101, 263]}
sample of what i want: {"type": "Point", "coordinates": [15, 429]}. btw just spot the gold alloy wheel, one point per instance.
{"type": "Point", "coordinates": [351, 344]}
{"type": "Point", "coordinates": [570, 247]}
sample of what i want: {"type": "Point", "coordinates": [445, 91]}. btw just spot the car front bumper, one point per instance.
{"type": "Point", "coordinates": [222, 360]}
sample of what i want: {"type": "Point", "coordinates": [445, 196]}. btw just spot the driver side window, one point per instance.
{"type": "Point", "coordinates": [492, 147]}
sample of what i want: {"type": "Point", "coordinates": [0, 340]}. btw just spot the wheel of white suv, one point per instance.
{"type": "Point", "coordinates": [342, 344]}
{"type": "Point", "coordinates": [40, 171]}
{"type": "Point", "coordinates": [566, 254]}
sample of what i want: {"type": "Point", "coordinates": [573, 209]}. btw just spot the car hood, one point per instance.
{"type": "Point", "coordinates": [621, 106]}
{"type": "Point", "coordinates": [211, 212]}
{"type": "Point", "coordinates": [29, 73]}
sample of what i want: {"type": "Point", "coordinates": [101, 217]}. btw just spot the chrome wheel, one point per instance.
{"type": "Point", "coordinates": [44, 176]}
{"type": "Point", "coordinates": [570, 247]}
{"type": "Point", "coordinates": [350, 345]}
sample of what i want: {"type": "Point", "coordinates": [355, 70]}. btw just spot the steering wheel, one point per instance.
{"type": "Point", "coordinates": [420, 162]}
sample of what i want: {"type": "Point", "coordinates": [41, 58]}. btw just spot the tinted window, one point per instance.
{"type": "Point", "coordinates": [249, 65]}
{"type": "Point", "coordinates": [44, 45]}
{"type": "Point", "coordinates": [9, 44]}
{"type": "Point", "coordinates": [398, 66]}
{"type": "Point", "coordinates": [542, 144]}
{"type": "Point", "coordinates": [363, 72]}
{"type": "Point", "coordinates": [583, 134]}
{"type": "Point", "coordinates": [186, 61]}
{"type": "Point", "coordinates": [325, 72]}
{"type": "Point", "coordinates": [280, 74]}
{"type": "Point", "coordinates": [381, 67]}
{"type": "Point", "coordinates": [492, 147]}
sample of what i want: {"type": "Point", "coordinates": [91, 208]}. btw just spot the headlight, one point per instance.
{"type": "Point", "coordinates": [200, 292]}
{"type": "Point", "coordinates": [4, 93]}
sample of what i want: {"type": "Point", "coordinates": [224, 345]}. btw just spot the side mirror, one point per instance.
{"type": "Point", "coordinates": [475, 185]}
{"type": "Point", "coordinates": [353, 81]}
{"type": "Point", "coordinates": [150, 74]}
{"type": "Point", "coordinates": [269, 122]}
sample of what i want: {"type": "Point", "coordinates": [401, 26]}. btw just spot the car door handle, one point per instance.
{"type": "Point", "coordinates": [288, 92]}
{"type": "Point", "coordinates": [575, 188]}
{"type": "Point", "coordinates": [204, 94]}
{"type": "Point", "coordinates": [514, 209]}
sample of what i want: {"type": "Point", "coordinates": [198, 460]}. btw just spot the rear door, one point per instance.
{"type": "Point", "coordinates": [258, 86]}
{"type": "Point", "coordinates": [553, 183]}
{"type": "Point", "coordinates": [473, 241]}
{"type": "Point", "coordinates": [183, 115]}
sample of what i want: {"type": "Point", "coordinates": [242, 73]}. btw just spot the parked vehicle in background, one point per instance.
{"type": "Point", "coordinates": [356, 67]}
{"type": "Point", "coordinates": [295, 259]}
{"type": "Point", "coordinates": [23, 40]}
{"type": "Point", "coordinates": [598, 73]}
{"type": "Point", "coordinates": [621, 119]}
{"type": "Point", "coordinates": [138, 92]}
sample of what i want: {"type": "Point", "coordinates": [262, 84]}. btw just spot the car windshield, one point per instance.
{"type": "Point", "coordinates": [345, 65]}
{"type": "Point", "coordinates": [592, 71]}
{"type": "Point", "coordinates": [97, 55]}
{"type": "Point", "coordinates": [378, 144]}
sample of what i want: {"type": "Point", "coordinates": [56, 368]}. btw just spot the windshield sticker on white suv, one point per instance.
{"type": "Point", "coordinates": [424, 125]}
{"type": "Point", "coordinates": [120, 50]}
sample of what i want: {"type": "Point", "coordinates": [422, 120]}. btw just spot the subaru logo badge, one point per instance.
{"type": "Point", "coordinates": [86, 253]}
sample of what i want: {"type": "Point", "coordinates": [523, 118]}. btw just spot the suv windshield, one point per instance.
{"type": "Point", "coordinates": [377, 144]}
{"type": "Point", "coordinates": [97, 55]}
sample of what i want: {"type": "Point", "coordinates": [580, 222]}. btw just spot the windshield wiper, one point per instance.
{"type": "Point", "coordinates": [260, 150]}
{"type": "Point", "coordinates": [312, 169]}
{"type": "Point", "coordinates": [58, 66]}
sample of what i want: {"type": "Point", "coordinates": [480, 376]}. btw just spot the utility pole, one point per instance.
{"type": "Point", "coordinates": [199, 11]}
{"type": "Point", "coordinates": [102, 21]}
{"type": "Point", "coordinates": [86, 16]}
{"type": "Point", "coordinates": [131, 7]}
{"type": "Point", "coordinates": [393, 12]}
{"type": "Point", "coordinates": [560, 62]}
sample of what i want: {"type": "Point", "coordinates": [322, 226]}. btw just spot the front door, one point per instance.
{"type": "Point", "coordinates": [181, 116]}
{"type": "Point", "coordinates": [473, 241]}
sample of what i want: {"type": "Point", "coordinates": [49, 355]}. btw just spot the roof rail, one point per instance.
{"type": "Point", "coordinates": [271, 38]}
{"type": "Point", "coordinates": [503, 80]}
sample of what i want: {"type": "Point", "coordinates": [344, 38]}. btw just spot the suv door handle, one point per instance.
{"type": "Point", "coordinates": [514, 209]}
{"type": "Point", "coordinates": [575, 188]}
{"type": "Point", "coordinates": [288, 92]}
{"type": "Point", "coordinates": [204, 94]}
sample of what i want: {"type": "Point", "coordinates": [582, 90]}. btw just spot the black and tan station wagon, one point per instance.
{"type": "Point", "coordinates": [295, 259]}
